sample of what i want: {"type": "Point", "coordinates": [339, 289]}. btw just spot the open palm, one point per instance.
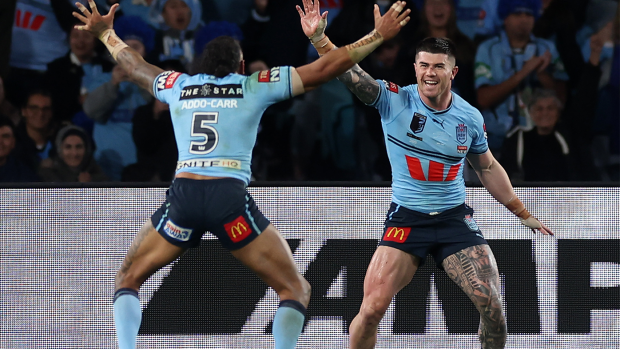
{"type": "Point", "coordinates": [93, 21]}
{"type": "Point", "coordinates": [312, 22]}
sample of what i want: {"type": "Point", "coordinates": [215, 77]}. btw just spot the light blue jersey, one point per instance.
{"type": "Point", "coordinates": [427, 148]}
{"type": "Point", "coordinates": [216, 120]}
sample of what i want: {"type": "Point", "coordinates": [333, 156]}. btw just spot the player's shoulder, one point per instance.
{"type": "Point", "coordinates": [168, 79]}
{"type": "Point", "coordinates": [463, 107]}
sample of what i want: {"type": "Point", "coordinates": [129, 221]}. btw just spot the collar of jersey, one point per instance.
{"type": "Point", "coordinates": [435, 111]}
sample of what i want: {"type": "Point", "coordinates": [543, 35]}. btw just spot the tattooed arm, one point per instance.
{"type": "Point", "coordinates": [361, 84]}
{"type": "Point", "coordinates": [140, 72]}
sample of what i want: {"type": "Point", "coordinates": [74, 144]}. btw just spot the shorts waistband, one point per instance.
{"type": "Point", "coordinates": [432, 214]}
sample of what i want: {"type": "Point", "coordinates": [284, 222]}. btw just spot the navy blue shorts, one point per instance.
{"type": "Point", "coordinates": [440, 235]}
{"type": "Point", "coordinates": [220, 206]}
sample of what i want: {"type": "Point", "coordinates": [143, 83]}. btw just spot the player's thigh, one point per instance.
{"type": "Point", "coordinates": [474, 270]}
{"type": "Point", "coordinates": [270, 257]}
{"type": "Point", "coordinates": [148, 252]}
{"type": "Point", "coordinates": [390, 270]}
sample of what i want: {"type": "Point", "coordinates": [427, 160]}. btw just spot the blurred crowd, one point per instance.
{"type": "Point", "coordinates": [545, 75]}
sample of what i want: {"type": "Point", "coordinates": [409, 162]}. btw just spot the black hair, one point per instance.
{"type": "Point", "coordinates": [37, 91]}
{"type": "Point", "coordinates": [436, 45]}
{"type": "Point", "coordinates": [5, 121]}
{"type": "Point", "coordinates": [221, 57]}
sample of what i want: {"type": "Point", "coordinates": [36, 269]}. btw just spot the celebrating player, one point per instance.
{"type": "Point", "coordinates": [429, 131]}
{"type": "Point", "coordinates": [215, 117]}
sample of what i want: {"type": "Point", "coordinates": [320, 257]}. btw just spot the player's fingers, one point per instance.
{"type": "Point", "coordinates": [305, 2]}
{"type": "Point", "coordinates": [83, 9]}
{"type": "Point", "coordinates": [396, 8]}
{"type": "Point", "coordinates": [93, 6]}
{"type": "Point", "coordinates": [403, 15]}
{"type": "Point", "coordinates": [378, 13]}
{"type": "Point", "coordinates": [324, 15]}
{"type": "Point", "coordinates": [81, 27]}
{"type": "Point", "coordinates": [549, 232]}
{"type": "Point", "coordinates": [301, 13]}
{"type": "Point", "coordinates": [405, 21]}
{"type": "Point", "coordinates": [113, 10]}
{"type": "Point", "coordinates": [80, 17]}
{"type": "Point", "coordinates": [317, 6]}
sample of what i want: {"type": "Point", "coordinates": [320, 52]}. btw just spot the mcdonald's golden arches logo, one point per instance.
{"type": "Point", "coordinates": [238, 229]}
{"type": "Point", "coordinates": [396, 234]}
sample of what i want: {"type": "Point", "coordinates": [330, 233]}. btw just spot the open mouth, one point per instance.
{"type": "Point", "coordinates": [431, 82]}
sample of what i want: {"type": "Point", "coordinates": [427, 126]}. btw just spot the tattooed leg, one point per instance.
{"type": "Point", "coordinates": [475, 271]}
{"type": "Point", "coordinates": [149, 252]}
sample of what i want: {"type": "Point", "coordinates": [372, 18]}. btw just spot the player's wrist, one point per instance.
{"type": "Point", "coordinates": [518, 208]}
{"type": "Point", "coordinates": [113, 43]}
{"type": "Point", "coordinates": [364, 46]}
{"type": "Point", "coordinates": [319, 33]}
{"type": "Point", "coordinates": [324, 45]}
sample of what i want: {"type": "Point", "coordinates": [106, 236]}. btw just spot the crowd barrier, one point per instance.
{"type": "Point", "coordinates": [60, 249]}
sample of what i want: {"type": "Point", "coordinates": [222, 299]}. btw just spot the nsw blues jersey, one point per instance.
{"type": "Point", "coordinates": [216, 120]}
{"type": "Point", "coordinates": [427, 148]}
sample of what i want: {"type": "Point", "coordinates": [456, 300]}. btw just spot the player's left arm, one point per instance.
{"type": "Point", "coordinates": [494, 178]}
{"type": "Point", "coordinates": [140, 72]}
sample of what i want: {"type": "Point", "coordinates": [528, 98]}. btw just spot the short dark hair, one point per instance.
{"type": "Point", "coordinates": [436, 45]}
{"type": "Point", "coordinates": [221, 57]}
{"type": "Point", "coordinates": [39, 92]}
{"type": "Point", "coordinates": [5, 121]}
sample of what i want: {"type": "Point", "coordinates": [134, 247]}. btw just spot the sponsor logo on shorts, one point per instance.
{"type": "Point", "coordinates": [396, 234]}
{"type": "Point", "coordinates": [161, 80]}
{"type": "Point", "coordinates": [176, 232]}
{"type": "Point", "coordinates": [471, 223]}
{"type": "Point", "coordinates": [238, 229]}
{"type": "Point", "coordinates": [271, 75]}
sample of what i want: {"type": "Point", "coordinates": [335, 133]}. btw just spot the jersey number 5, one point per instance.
{"type": "Point", "coordinates": [201, 128]}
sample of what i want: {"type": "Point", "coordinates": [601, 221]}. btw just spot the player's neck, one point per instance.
{"type": "Point", "coordinates": [439, 103]}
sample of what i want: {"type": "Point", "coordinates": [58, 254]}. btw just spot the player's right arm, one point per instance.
{"type": "Point", "coordinates": [140, 72]}
{"type": "Point", "coordinates": [342, 62]}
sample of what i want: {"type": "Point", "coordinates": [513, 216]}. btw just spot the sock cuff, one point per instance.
{"type": "Point", "coordinates": [290, 303]}
{"type": "Point", "coordinates": [125, 291]}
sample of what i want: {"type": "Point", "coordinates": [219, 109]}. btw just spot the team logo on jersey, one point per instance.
{"type": "Point", "coordinates": [461, 133]}
{"type": "Point", "coordinates": [417, 123]}
{"type": "Point", "coordinates": [471, 223]}
{"type": "Point", "coordinates": [390, 86]}
{"type": "Point", "coordinates": [461, 149]}
{"type": "Point", "coordinates": [271, 75]}
{"type": "Point", "coordinates": [212, 91]}
{"type": "Point", "coordinates": [162, 80]}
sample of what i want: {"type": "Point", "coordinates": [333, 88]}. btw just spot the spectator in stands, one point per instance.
{"type": "Point", "coordinates": [557, 148]}
{"type": "Point", "coordinates": [6, 107]}
{"type": "Point", "coordinates": [71, 77]}
{"type": "Point", "coordinates": [72, 161]}
{"type": "Point", "coordinates": [36, 130]}
{"type": "Point", "coordinates": [39, 36]}
{"type": "Point", "coordinates": [112, 105]}
{"type": "Point", "coordinates": [509, 66]}
{"type": "Point", "coordinates": [12, 169]}
{"type": "Point", "coordinates": [154, 139]}
{"type": "Point", "coordinates": [438, 19]}
{"type": "Point", "coordinates": [176, 21]}
{"type": "Point", "coordinates": [211, 31]}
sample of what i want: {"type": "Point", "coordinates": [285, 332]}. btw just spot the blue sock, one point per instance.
{"type": "Point", "coordinates": [288, 323]}
{"type": "Point", "coordinates": [127, 317]}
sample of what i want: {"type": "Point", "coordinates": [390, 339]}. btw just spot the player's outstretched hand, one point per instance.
{"type": "Point", "coordinates": [93, 21]}
{"type": "Point", "coordinates": [391, 23]}
{"type": "Point", "coordinates": [534, 224]}
{"type": "Point", "coordinates": [313, 22]}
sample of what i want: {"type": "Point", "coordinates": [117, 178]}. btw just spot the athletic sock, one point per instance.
{"type": "Point", "coordinates": [288, 323]}
{"type": "Point", "coordinates": [127, 317]}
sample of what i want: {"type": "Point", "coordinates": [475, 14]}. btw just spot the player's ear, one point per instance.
{"type": "Point", "coordinates": [454, 71]}
{"type": "Point", "coordinates": [241, 67]}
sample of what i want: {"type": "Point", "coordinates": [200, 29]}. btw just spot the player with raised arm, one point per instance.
{"type": "Point", "coordinates": [429, 131]}
{"type": "Point", "coordinates": [215, 118]}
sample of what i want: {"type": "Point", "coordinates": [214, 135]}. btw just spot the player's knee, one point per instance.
{"type": "Point", "coordinates": [373, 309]}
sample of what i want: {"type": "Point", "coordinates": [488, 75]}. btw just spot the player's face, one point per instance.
{"type": "Point", "coordinates": [437, 12]}
{"type": "Point", "coordinates": [82, 43]}
{"type": "Point", "coordinates": [434, 73]}
{"type": "Point", "coordinates": [519, 24]}
{"type": "Point", "coordinates": [7, 141]}
{"type": "Point", "coordinates": [545, 113]}
{"type": "Point", "coordinates": [177, 14]}
{"type": "Point", "coordinates": [38, 112]}
{"type": "Point", "coordinates": [73, 150]}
